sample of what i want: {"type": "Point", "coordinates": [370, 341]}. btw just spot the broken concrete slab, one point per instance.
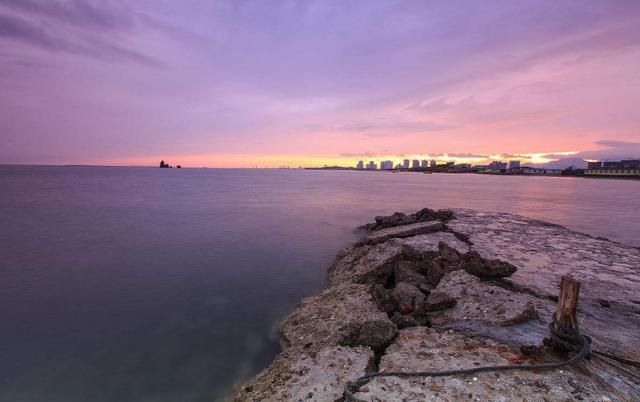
{"type": "Point", "coordinates": [425, 349]}
{"type": "Point", "coordinates": [340, 315]}
{"type": "Point", "coordinates": [482, 307]}
{"type": "Point", "coordinates": [302, 376]}
{"type": "Point", "coordinates": [544, 252]}
{"type": "Point", "coordinates": [382, 235]}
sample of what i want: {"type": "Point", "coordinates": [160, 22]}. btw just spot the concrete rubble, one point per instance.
{"type": "Point", "coordinates": [441, 290]}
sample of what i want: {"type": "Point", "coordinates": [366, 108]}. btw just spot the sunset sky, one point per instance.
{"type": "Point", "coordinates": [304, 83]}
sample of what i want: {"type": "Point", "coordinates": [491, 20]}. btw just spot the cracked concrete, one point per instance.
{"type": "Point", "coordinates": [431, 269]}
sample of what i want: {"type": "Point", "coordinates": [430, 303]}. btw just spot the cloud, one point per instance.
{"type": "Point", "coordinates": [511, 156]}
{"type": "Point", "coordinates": [361, 155]}
{"type": "Point", "coordinates": [76, 12]}
{"type": "Point", "coordinates": [75, 27]}
{"type": "Point", "coordinates": [394, 127]}
{"type": "Point", "coordinates": [613, 150]}
{"type": "Point", "coordinates": [467, 155]}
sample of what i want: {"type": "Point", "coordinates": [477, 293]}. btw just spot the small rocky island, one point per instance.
{"type": "Point", "coordinates": [457, 289]}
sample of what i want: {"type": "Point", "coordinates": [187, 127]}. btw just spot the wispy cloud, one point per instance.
{"type": "Point", "coordinates": [609, 149]}
{"type": "Point", "coordinates": [75, 27]}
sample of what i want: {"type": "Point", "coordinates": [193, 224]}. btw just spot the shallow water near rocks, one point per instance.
{"type": "Point", "coordinates": [137, 284]}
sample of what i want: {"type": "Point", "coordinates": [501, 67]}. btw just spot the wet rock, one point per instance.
{"type": "Point", "coordinates": [474, 264]}
{"type": "Point", "coordinates": [439, 301]}
{"type": "Point", "coordinates": [340, 315]}
{"type": "Point", "coordinates": [295, 376]}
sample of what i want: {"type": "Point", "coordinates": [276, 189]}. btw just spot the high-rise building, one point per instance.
{"type": "Point", "coordinates": [386, 165]}
{"type": "Point", "coordinates": [415, 164]}
{"type": "Point", "coordinates": [372, 166]}
{"type": "Point", "coordinates": [497, 165]}
{"type": "Point", "coordinates": [424, 163]}
{"type": "Point", "coordinates": [513, 165]}
{"type": "Point", "coordinates": [360, 165]}
{"type": "Point", "coordinates": [405, 164]}
{"type": "Point", "coordinates": [433, 163]}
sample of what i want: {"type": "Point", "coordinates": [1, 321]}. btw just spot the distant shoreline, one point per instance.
{"type": "Point", "coordinates": [613, 177]}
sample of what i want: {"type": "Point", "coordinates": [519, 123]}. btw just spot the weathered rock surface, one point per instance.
{"type": "Point", "coordinates": [425, 349]}
{"type": "Point", "coordinates": [474, 264]}
{"type": "Point", "coordinates": [483, 308]}
{"type": "Point", "coordinates": [544, 252]}
{"type": "Point", "coordinates": [463, 291]}
{"type": "Point", "coordinates": [300, 376]}
{"type": "Point", "coordinates": [398, 232]}
{"type": "Point", "coordinates": [340, 315]}
{"type": "Point", "coordinates": [399, 219]}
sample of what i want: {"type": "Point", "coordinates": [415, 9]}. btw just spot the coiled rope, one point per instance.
{"type": "Point", "coordinates": [578, 346]}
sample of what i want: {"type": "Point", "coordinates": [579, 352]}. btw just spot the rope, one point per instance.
{"type": "Point", "coordinates": [617, 358]}
{"type": "Point", "coordinates": [578, 346]}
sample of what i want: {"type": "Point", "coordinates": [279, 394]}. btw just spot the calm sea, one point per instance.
{"type": "Point", "coordinates": [141, 284]}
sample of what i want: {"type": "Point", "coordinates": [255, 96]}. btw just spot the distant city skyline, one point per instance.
{"type": "Point", "coordinates": [313, 83]}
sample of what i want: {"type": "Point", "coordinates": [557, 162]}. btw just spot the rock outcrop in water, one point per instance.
{"type": "Point", "coordinates": [442, 290]}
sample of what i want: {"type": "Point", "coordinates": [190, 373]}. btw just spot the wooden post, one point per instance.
{"type": "Point", "coordinates": [566, 321]}
{"type": "Point", "coordinates": [568, 304]}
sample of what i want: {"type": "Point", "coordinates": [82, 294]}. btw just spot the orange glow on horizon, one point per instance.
{"type": "Point", "coordinates": [310, 161]}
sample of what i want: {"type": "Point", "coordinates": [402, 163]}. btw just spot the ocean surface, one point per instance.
{"type": "Point", "coordinates": [144, 284]}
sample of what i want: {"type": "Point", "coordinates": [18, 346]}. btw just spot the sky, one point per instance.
{"type": "Point", "coordinates": [307, 83]}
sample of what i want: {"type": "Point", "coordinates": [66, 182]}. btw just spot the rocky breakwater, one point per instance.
{"type": "Point", "coordinates": [443, 290]}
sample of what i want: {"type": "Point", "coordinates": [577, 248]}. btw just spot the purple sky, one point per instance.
{"type": "Point", "coordinates": [243, 83]}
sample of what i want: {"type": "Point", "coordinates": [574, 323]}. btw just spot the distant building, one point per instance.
{"type": "Point", "coordinates": [463, 166]}
{"type": "Point", "coordinates": [386, 165]}
{"type": "Point", "coordinates": [630, 167]}
{"type": "Point", "coordinates": [415, 164]}
{"type": "Point", "coordinates": [536, 171]}
{"type": "Point", "coordinates": [513, 165]}
{"type": "Point", "coordinates": [372, 166]}
{"type": "Point", "coordinates": [433, 163]}
{"type": "Point", "coordinates": [497, 165]}
{"type": "Point", "coordinates": [594, 165]}
{"type": "Point", "coordinates": [630, 164]}
{"type": "Point", "coordinates": [405, 164]}
{"type": "Point", "coordinates": [450, 164]}
{"type": "Point", "coordinates": [424, 163]}
{"type": "Point", "coordinates": [360, 165]}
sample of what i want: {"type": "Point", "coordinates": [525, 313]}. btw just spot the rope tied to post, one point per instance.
{"type": "Point", "coordinates": [567, 339]}
{"type": "Point", "coordinates": [583, 351]}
